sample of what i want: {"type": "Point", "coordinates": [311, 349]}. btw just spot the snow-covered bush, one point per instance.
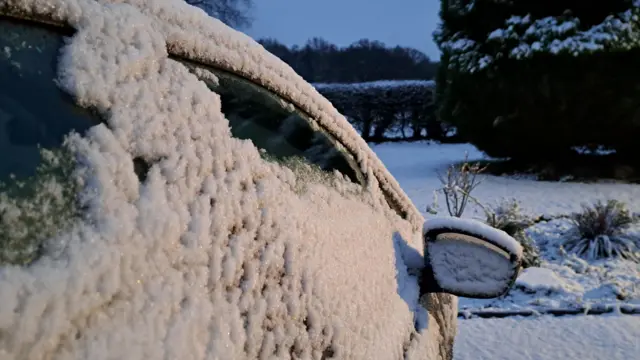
{"type": "Point", "coordinates": [519, 30]}
{"type": "Point", "coordinates": [36, 208]}
{"type": "Point", "coordinates": [507, 216]}
{"type": "Point", "coordinates": [599, 232]}
{"type": "Point", "coordinates": [513, 72]}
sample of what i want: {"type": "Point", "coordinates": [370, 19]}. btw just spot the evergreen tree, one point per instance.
{"type": "Point", "coordinates": [532, 78]}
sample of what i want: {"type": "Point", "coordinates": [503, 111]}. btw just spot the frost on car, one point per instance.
{"type": "Point", "coordinates": [37, 190]}
{"type": "Point", "coordinates": [174, 191]}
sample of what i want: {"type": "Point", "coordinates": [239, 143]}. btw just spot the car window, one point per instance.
{"type": "Point", "coordinates": [282, 131]}
{"type": "Point", "coordinates": [36, 197]}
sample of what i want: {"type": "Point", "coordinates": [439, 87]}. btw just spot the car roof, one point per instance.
{"type": "Point", "coordinates": [193, 35]}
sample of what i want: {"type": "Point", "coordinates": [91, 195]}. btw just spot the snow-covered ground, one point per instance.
{"type": "Point", "coordinates": [562, 282]}
{"type": "Point", "coordinates": [415, 166]}
{"type": "Point", "coordinates": [549, 338]}
{"type": "Point", "coordinates": [566, 281]}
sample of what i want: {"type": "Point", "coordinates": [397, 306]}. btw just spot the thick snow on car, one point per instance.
{"type": "Point", "coordinates": [170, 190]}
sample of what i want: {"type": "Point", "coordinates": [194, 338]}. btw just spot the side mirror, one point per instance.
{"type": "Point", "coordinates": [468, 258]}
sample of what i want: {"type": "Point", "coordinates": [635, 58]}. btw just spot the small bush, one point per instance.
{"type": "Point", "coordinates": [599, 232]}
{"type": "Point", "coordinates": [506, 216]}
{"type": "Point", "coordinates": [457, 186]}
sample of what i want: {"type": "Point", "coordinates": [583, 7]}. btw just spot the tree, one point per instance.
{"type": "Point", "coordinates": [278, 49]}
{"type": "Point", "coordinates": [364, 60]}
{"type": "Point", "coordinates": [534, 78]}
{"type": "Point", "coordinates": [234, 13]}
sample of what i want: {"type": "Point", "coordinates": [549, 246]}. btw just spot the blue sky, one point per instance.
{"type": "Point", "coordinates": [394, 22]}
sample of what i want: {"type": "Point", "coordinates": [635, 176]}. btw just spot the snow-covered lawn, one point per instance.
{"type": "Point", "coordinates": [415, 166]}
{"type": "Point", "coordinates": [549, 338]}
{"type": "Point", "coordinates": [562, 282]}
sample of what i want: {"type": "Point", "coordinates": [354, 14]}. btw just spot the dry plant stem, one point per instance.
{"type": "Point", "coordinates": [458, 185]}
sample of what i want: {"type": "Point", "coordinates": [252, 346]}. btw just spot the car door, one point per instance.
{"type": "Point", "coordinates": [357, 247]}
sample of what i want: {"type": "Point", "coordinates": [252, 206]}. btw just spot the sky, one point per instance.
{"type": "Point", "coordinates": [342, 22]}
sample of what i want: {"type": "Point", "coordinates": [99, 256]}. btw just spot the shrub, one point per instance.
{"type": "Point", "coordinates": [506, 216]}
{"type": "Point", "coordinates": [599, 232]}
{"type": "Point", "coordinates": [514, 72]}
{"type": "Point", "coordinates": [457, 185]}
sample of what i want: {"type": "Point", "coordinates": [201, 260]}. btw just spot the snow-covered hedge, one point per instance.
{"type": "Point", "coordinates": [521, 37]}
{"type": "Point", "coordinates": [379, 106]}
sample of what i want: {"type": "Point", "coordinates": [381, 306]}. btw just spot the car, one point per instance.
{"type": "Point", "coordinates": [171, 190]}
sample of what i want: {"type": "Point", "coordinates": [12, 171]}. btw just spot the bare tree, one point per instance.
{"type": "Point", "coordinates": [234, 13]}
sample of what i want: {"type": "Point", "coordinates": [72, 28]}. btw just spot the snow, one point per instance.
{"type": "Point", "coordinates": [192, 34]}
{"type": "Point", "coordinates": [463, 266]}
{"type": "Point", "coordinates": [417, 164]}
{"type": "Point", "coordinates": [535, 279]}
{"type": "Point", "coordinates": [385, 84]}
{"type": "Point", "coordinates": [550, 34]}
{"type": "Point", "coordinates": [191, 263]}
{"type": "Point", "coordinates": [564, 281]}
{"type": "Point", "coordinates": [484, 231]}
{"type": "Point", "coordinates": [579, 337]}
{"type": "Point", "coordinates": [218, 253]}
{"type": "Point", "coordinates": [522, 37]}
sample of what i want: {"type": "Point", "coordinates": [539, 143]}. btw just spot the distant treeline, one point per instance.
{"type": "Point", "coordinates": [319, 61]}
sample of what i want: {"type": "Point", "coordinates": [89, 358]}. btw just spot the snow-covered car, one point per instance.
{"type": "Point", "coordinates": [173, 191]}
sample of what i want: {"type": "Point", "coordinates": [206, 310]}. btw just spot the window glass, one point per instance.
{"type": "Point", "coordinates": [282, 131]}
{"type": "Point", "coordinates": [37, 200]}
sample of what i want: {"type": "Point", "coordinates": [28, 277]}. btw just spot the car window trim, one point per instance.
{"type": "Point", "coordinates": [402, 209]}
{"type": "Point", "coordinates": [58, 27]}
{"type": "Point", "coordinates": [360, 174]}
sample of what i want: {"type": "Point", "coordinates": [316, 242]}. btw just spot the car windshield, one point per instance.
{"type": "Point", "coordinates": [34, 112]}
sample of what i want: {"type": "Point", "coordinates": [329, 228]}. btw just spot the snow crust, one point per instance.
{"type": "Point", "coordinates": [498, 237]}
{"type": "Point", "coordinates": [217, 254]}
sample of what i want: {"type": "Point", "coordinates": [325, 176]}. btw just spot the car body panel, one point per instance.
{"type": "Point", "coordinates": [218, 253]}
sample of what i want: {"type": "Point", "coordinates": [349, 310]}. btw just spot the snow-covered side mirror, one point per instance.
{"type": "Point", "coordinates": [468, 258]}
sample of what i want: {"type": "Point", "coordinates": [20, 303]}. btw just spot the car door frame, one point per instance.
{"type": "Point", "coordinates": [395, 197]}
